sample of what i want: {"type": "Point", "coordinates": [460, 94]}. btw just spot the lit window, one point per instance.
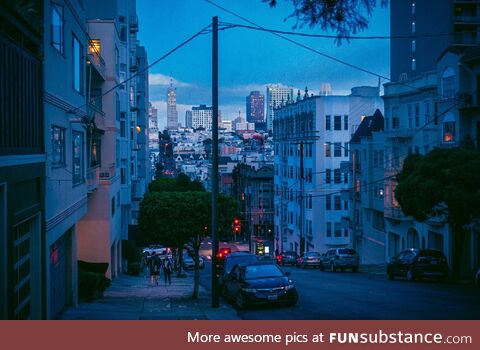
{"type": "Point", "coordinates": [449, 129]}
{"type": "Point", "coordinates": [57, 27]}
{"type": "Point", "coordinates": [94, 47]}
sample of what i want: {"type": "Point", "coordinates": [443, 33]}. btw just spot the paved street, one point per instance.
{"type": "Point", "coordinates": [329, 295]}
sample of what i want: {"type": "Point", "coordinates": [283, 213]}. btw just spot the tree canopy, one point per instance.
{"type": "Point", "coordinates": [181, 183]}
{"type": "Point", "coordinates": [344, 17]}
{"type": "Point", "coordinates": [443, 183]}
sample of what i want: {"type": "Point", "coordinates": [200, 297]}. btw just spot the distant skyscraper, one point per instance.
{"type": "Point", "coordinates": [275, 95]}
{"type": "Point", "coordinates": [202, 117]}
{"type": "Point", "coordinates": [172, 114]}
{"type": "Point", "coordinates": [188, 119]}
{"type": "Point", "coordinates": [255, 108]}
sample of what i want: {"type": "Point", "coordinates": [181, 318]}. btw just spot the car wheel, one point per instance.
{"type": "Point", "coordinates": [333, 267]}
{"type": "Point", "coordinates": [240, 301]}
{"type": "Point", "coordinates": [410, 275]}
{"type": "Point", "coordinates": [390, 274]}
{"type": "Point", "coordinates": [294, 301]}
{"type": "Point", "coordinates": [355, 269]}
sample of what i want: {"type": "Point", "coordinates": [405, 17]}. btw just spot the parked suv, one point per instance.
{"type": "Point", "coordinates": [340, 258]}
{"type": "Point", "coordinates": [418, 263]}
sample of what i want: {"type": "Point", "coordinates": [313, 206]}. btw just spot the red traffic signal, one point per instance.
{"type": "Point", "coordinates": [236, 221]}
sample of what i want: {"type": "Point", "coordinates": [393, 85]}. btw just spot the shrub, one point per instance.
{"type": "Point", "coordinates": [134, 268]}
{"type": "Point", "coordinates": [90, 285]}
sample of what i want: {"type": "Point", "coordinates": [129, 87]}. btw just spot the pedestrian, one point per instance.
{"type": "Point", "coordinates": [145, 264]}
{"type": "Point", "coordinates": [167, 271]}
{"type": "Point", "coordinates": [155, 264]}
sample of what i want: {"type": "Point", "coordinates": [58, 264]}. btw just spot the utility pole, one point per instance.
{"type": "Point", "coordinates": [303, 241]}
{"type": "Point", "coordinates": [354, 202]}
{"type": "Point", "coordinates": [215, 292]}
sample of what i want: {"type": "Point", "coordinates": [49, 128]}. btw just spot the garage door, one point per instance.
{"type": "Point", "coordinates": [60, 258]}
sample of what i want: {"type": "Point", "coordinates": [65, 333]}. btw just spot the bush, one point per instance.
{"type": "Point", "coordinates": [100, 268]}
{"type": "Point", "coordinates": [91, 285]}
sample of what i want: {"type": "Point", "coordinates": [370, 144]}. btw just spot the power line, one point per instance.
{"type": "Point", "coordinates": [364, 70]}
{"type": "Point", "coordinates": [201, 32]}
{"type": "Point", "coordinates": [327, 36]}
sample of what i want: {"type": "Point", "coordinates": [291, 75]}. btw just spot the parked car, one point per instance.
{"type": "Point", "coordinates": [230, 261]}
{"type": "Point", "coordinates": [189, 263]}
{"type": "Point", "coordinates": [309, 259]}
{"type": "Point", "coordinates": [258, 283]}
{"type": "Point", "coordinates": [417, 264]}
{"type": "Point", "coordinates": [287, 258]}
{"type": "Point", "coordinates": [477, 278]}
{"type": "Point", "coordinates": [157, 249]}
{"type": "Point", "coordinates": [340, 258]}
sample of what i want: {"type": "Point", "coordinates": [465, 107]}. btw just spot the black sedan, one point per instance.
{"type": "Point", "coordinates": [417, 264]}
{"type": "Point", "coordinates": [287, 258]}
{"type": "Point", "coordinates": [259, 283]}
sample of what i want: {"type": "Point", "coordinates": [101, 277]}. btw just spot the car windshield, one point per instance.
{"type": "Point", "coordinates": [241, 259]}
{"type": "Point", "coordinates": [261, 271]}
{"type": "Point", "coordinates": [312, 254]}
{"type": "Point", "coordinates": [347, 251]}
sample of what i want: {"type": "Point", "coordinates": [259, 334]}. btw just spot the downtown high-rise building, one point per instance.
{"type": "Point", "coordinates": [276, 94]}
{"type": "Point", "coordinates": [188, 119]}
{"type": "Point", "coordinates": [202, 117]}
{"type": "Point", "coordinates": [255, 108]}
{"type": "Point", "coordinates": [172, 114]}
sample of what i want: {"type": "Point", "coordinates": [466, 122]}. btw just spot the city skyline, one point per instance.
{"type": "Point", "coordinates": [190, 66]}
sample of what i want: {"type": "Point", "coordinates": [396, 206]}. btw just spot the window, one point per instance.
{"type": "Point", "coordinates": [338, 230]}
{"type": "Point", "coordinates": [427, 111]}
{"type": "Point", "coordinates": [328, 176]}
{"type": "Point", "coordinates": [345, 122]}
{"type": "Point", "coordinates": [113, 206]}
{"type": "Point", "coordinates": [77, 53]}
{"type": "Point", "coordinates": [449, 132]}
{"type": "Point", "coordinates": [345, 149]}
{"type": "Point", "coordinates": [414, 45]}
{"type": "Point", "coordinates": [345, 178]}
{"type": "Point", "coordinates": [327, 122]}
{"type": "Point", "coordinates": [94, 47]}
{"type": "Point", "coordinates": [123, 175]}
{"type": "Point", "coordinates": [395, 118]}
{"type": "Point", "coordinates": [337, 149]}
{"type": "Point", "coordinates": [77, 157]}
{"type": "Point", "coordinates": [328, 203]}
{"type": "Point", "coordinates": [58, 145]}
{"type": "Point", "coordinates": [327, 150]}
{"type": "Point", "coordinates": [417, 115]}
{"type": "Point", "coordinates": [448, 83]}
{"type": "Point", "coordinates": [337, 178]}
{"type": "Point", "coordinates": [337, 122]}
{"type": "Point", "coordinates": [329, 229]}
{"type": "Point", "coordinates": [410, 115]}
{"type": "Point", "coordinates": [337, 203]}
{"type": "Point", "coordinates": [57, 27]}
{"type": "Point", "coordinates": [309, 201]}
{"type": "Point", "coordinates": [122, 128]}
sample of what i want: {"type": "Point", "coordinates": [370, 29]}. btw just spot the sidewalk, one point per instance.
{"type": "Point", "coordinates": [133, 298]}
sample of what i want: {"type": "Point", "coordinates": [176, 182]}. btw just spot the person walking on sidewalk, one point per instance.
{"type": "Point", "coordinates": [155, 264]}
{"type": "Point", "coordinates": [167, 271]}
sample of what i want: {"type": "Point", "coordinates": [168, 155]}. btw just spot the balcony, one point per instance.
{"type": "Point", "coordinates": [133, 24]}
{"type": "Point", "coordinates": [93, 175]}
{"type": "Point", "coordinates": [107, 173]}
{"type": "Point", "coordinates": [96, 61]}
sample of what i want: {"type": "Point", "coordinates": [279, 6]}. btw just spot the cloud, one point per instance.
{"type": "Point", "coordinates": [161, 79]}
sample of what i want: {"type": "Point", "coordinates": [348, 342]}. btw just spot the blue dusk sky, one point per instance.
{"type": "Point", "coordinates": [249, 59]}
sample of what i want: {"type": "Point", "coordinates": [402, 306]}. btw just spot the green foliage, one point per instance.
{"type": "Point", "coordinates": [445, 181]}
{"type": "Point", "coordinates": [345, 17]}
{"type": "Point", "coordinates": [181, 183]}
{"type": "Point", "coordinates": [91, 285]}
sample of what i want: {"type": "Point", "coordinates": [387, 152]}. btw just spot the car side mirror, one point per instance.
{"type": "Point", "coordinates": [287, 273]}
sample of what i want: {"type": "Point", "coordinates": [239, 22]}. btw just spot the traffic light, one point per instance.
{"type": "Point", "coordinates": [237, 226]}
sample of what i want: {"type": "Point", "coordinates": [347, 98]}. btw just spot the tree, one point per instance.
{"type": "Point", "coordinates": [344, 17]}
{"type": "Point", "coordinates": [444, 182]}
{"type": "Point", "coordinates": [177, 212]}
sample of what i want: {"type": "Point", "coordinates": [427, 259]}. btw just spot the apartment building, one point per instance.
{"type": "Point", "coordinates": [311, 137]}
{"type": "Point", "coordinates": [22, 162]}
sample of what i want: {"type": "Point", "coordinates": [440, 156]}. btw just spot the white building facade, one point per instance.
{"type": "Point", "coordinates": [308, 187]}
{"type": "Point", "coordinates": [202, 117]}
{"type": "Point", "coordinates": [276, 95]}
